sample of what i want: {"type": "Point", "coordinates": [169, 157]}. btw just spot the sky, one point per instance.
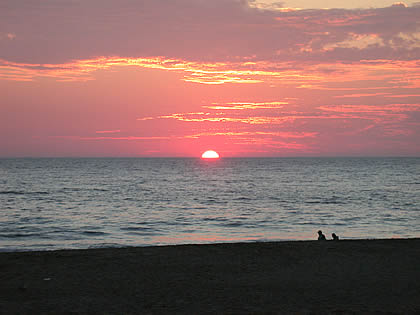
{"type": "Point", "coordinates": [174, 78]}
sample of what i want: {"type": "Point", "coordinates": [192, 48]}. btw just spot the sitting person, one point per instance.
{"type": "Point", "coordinates": [321, 237]}
{"type": "Point", "coordinates": [334, 237]}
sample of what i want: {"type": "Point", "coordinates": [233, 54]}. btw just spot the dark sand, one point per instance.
{"type": "Point", "coordinates": [308, 277]}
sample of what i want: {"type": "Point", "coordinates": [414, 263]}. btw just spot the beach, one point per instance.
{"type": "Point", "coordinates": [292, 277]}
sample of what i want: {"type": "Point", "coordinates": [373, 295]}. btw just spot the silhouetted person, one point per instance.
{"type": "Point", "coordinates": [334, 237]}
{"type": "Point", "coordinates": [321, 237]}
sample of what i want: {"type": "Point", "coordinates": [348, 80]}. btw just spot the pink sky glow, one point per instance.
{"type": "Point", "coordinates": [176, 78]}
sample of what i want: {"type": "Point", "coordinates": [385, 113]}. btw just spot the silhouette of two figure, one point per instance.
{"type": "Point", "coordinates": [321, 236]}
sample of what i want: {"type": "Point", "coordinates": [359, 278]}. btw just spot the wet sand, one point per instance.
{"type": "Point", "coordinates": [301, 277]}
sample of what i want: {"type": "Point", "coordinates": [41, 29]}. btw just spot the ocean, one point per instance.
{"type": "Point", "coordinates": [68, 203]}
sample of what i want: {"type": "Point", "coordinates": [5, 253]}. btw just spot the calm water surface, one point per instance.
{"type": "Point", "coordinates": [83, 203]}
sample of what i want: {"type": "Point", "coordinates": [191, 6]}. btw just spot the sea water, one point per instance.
{"type": "Point", "coordinates": [57, 203]}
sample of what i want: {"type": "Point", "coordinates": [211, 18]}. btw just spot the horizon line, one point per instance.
{"type": "Point", "coordinates": [199, 157]}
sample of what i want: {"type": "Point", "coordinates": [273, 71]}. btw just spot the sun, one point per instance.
{"type": "Point", "coordinates": [210, 154]}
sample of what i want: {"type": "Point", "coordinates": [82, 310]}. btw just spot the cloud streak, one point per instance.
{"type": "Point", "coordinates": [381, 73]}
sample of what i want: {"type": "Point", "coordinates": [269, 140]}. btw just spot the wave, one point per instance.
{"type": "Point", "coordinates": [93, 233]}
{"type": "Point", "coordinates": [17, 192]}
{"type": "Point", "coordinates": [21, 235]}
{"type": "Point", "coordinates": [137, 229]}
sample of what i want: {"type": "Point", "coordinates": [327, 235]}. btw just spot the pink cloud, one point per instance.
{"type": "Point", "coordinates": [108, 131]}
{"type": "Point", "coordinates": [218, 30]}
{"type": "Point", "coordinates": [362, 95]}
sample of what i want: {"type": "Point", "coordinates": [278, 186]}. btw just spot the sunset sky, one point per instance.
{"type": "Point", "coordinates": [179, 77]}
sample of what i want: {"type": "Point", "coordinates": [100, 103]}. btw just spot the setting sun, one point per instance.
{"type": "Point", "coordinates": [210, 154]}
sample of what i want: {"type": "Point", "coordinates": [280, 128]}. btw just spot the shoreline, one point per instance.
{"type": "Point", "coordinates": [304, 277]}
{"type": "Point", "coordinates": [116, 246]}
